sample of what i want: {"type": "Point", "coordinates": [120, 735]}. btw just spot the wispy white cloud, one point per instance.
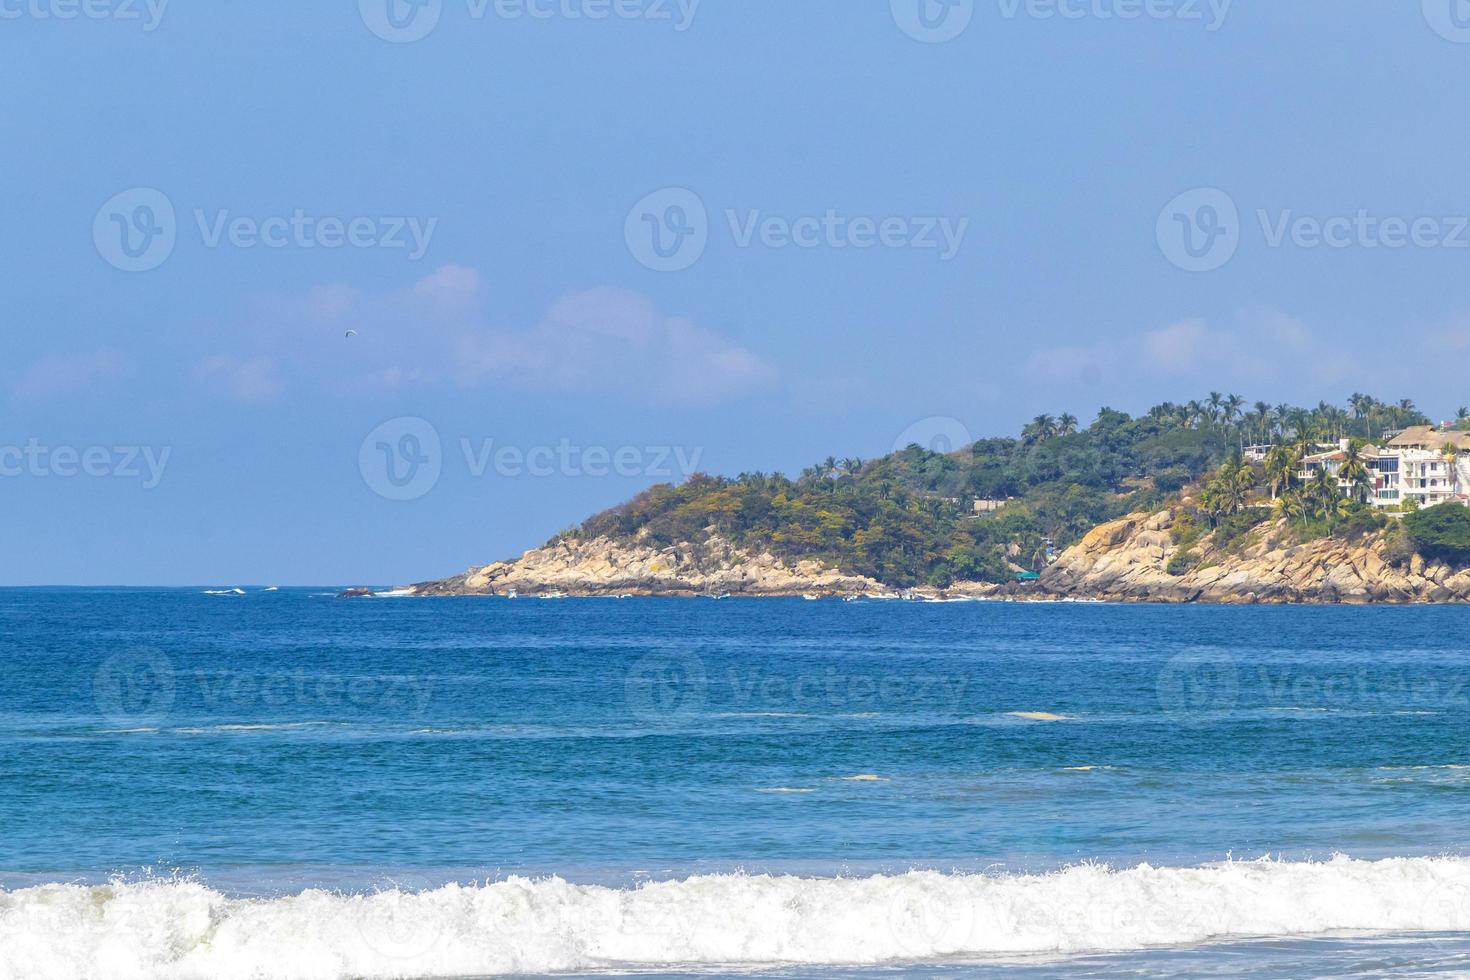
{"type": "Point", "coordinates": [436, 331]}
{"type": "Point", "coordinates": [1257, 347]}
{"type": "Point", "coordinates": [251, 380]}
{"type": "Point", "coordinates": [60, 375]}
{"type": "Point", "coordinates": [615, 341]}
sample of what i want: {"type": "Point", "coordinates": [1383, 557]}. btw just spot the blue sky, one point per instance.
{"type": "Point", "coordinates": [868, 221]}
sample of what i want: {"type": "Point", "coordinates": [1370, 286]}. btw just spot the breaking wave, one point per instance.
{"type": "Point", "coordinates": [183, 929]}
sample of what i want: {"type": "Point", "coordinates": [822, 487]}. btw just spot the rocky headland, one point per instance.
{"type": "Point", "coordinates": [1127, 560]}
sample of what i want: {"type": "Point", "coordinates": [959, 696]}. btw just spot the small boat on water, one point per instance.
{"type": "Point", "coordinates": [812, 598]}
{"type": "Point", "coordinates": [512, 594]}
{"type": "Point", "coordinates": [553, 595]}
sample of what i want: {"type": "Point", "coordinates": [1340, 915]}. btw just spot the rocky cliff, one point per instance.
{"type": "Point", "coordinates": [1128, 560]}
{"type": "Point", "coordinates": [602, 566]}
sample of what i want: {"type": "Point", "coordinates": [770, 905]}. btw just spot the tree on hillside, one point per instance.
{"type": "Point", "coordinates": [1355, 471]}
{"type": "Point", "coordinates": [1441, 533]}
{"type": "Point", "coordinates": [1262, 430]}
{"type": "Point", "coordinates": [1280, 465]}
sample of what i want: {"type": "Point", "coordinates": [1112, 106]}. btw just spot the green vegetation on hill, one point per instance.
{"type": "Point", "coordinates": [1441, 533]}
{"type": "Point", "coordinates": [908, 518]}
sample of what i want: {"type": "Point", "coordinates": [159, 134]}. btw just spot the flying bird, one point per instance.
{"type": "Point", "coordinates": [352, 333]}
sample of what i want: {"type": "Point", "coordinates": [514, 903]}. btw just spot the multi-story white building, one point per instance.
{"type": "Point", "coordinates": [1413, 465]}
{"type": "Point", "coordinates": [1427, 473]}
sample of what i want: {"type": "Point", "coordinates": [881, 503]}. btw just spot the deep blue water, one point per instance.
{"type": "Point", "coordinates": [275, 741]}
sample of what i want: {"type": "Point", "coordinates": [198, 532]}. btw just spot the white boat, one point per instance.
{"type": "Point", "coordinates": [553, 595]}
{"type": "Point", "coordinates": [812, 598]}
{"type": "Point", "coordinates": [512, 594]}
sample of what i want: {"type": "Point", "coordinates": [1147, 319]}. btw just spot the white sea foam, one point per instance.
{"type": "Point", "coordinates": [175, 929]}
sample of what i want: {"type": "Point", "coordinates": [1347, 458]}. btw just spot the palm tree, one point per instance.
{"type": "Point", "coordinates": [1449, 450]}
{"type": "Point", "coordinates": [1042, 428]}
{"type": "Point", "coordinates": [1326, 495]}
{"type": "Point", "coordinates": [1233, 404]}
{"type": "Point", "coordinates": [1280, 463]}
{"type": "Point", "coordinates": [1216, 400]}
{"type": "Point", "coordinates": [1066, 424]}
{"type": "Point", "coordinates": [1360, 404]}
{"type": "Point", "coordinates": [1355, 471]}
{"type": "Point", "coordinates": [1291, 503]}
{"type": "Point", "coordinates": [1263, 421]}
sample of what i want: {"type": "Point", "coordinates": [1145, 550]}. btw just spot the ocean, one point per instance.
{"type": "Point", "coordinates": [280, 783]}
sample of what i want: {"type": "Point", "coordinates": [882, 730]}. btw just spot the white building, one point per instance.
{"type": "Point", "coordinates": [1412, 466]}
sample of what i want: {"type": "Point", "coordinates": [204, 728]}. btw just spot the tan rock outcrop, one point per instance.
{"type": "Point", "coordinates": [1128, 560]}
{"type": "Point", "coordinates": [602, 566]}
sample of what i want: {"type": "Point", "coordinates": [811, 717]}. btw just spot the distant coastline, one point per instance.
{"type": "Point", "coordinates": [1205, 502]}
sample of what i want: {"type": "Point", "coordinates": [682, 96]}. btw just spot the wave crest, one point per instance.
{"type": "Point", "coordinates": [177, 930]}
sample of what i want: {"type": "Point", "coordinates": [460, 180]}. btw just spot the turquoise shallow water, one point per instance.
{"type": "Point", "coordinates": [224, 754]}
